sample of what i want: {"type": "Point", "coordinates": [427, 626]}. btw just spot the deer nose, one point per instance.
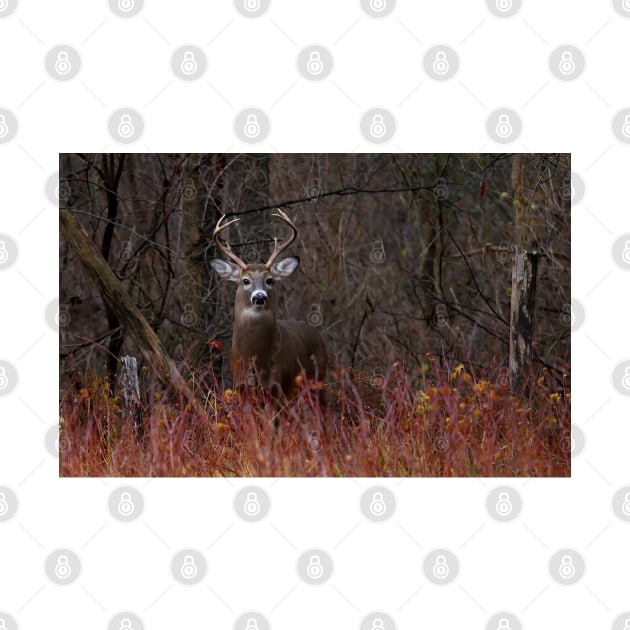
{"type": "Point", "coordinates": [259, 298]}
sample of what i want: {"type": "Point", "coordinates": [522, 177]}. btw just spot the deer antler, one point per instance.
{"type": "Point", "coordinates": [278, 250]}
{"type": "Point", "coordinates": [225, 247]}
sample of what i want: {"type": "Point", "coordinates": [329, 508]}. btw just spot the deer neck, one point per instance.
{"type": "Point", "coordinates": [255, 335]}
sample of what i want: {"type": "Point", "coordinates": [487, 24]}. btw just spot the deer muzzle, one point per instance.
{"type": "Point", "coordinates": [259, 298]}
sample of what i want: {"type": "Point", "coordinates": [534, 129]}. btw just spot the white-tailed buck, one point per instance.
{"type": "Point", "coordinates": [274, 350]}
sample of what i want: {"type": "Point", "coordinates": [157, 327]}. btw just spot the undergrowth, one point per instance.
{"type": "Point", "coordinates": [457, 425]}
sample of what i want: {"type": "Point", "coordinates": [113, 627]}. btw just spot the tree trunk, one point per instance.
{"type": "Point", "coordinates": [188, 290]}
{"type": "Point", "coordinates": [524, 269]}
{"type": "Point", "coordinates": [121, 304]}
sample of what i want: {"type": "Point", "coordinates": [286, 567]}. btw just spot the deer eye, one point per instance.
{"type": "Point", "coordinates": [269, 281]}
{"type": "Point", "coordinates": [246, 282]}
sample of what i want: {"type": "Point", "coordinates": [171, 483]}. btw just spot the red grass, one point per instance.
{"type": "Point", "coordinates": [456, 426]}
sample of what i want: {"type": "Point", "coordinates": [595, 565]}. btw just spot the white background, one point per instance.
{"type": "Point", "coordinates": [251, 62]}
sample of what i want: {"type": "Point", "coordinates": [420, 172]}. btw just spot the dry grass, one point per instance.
{"type": "Point", "coordinates": [457, 425]}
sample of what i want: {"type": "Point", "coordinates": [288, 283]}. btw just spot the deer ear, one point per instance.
{"type": "Point", "coordinates": [285, 267]}
{"type": "Point", "coordinates": [226, 270]}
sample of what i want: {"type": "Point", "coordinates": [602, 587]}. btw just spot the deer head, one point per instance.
{"type": "Point", "coordinates": [274, 350]}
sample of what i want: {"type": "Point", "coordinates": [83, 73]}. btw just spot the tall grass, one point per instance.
{"type": "Point", "coordinates": [368, 424]}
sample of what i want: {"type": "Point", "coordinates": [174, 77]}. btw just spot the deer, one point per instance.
{"type": "Point", "coordinates": [273, 351]}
